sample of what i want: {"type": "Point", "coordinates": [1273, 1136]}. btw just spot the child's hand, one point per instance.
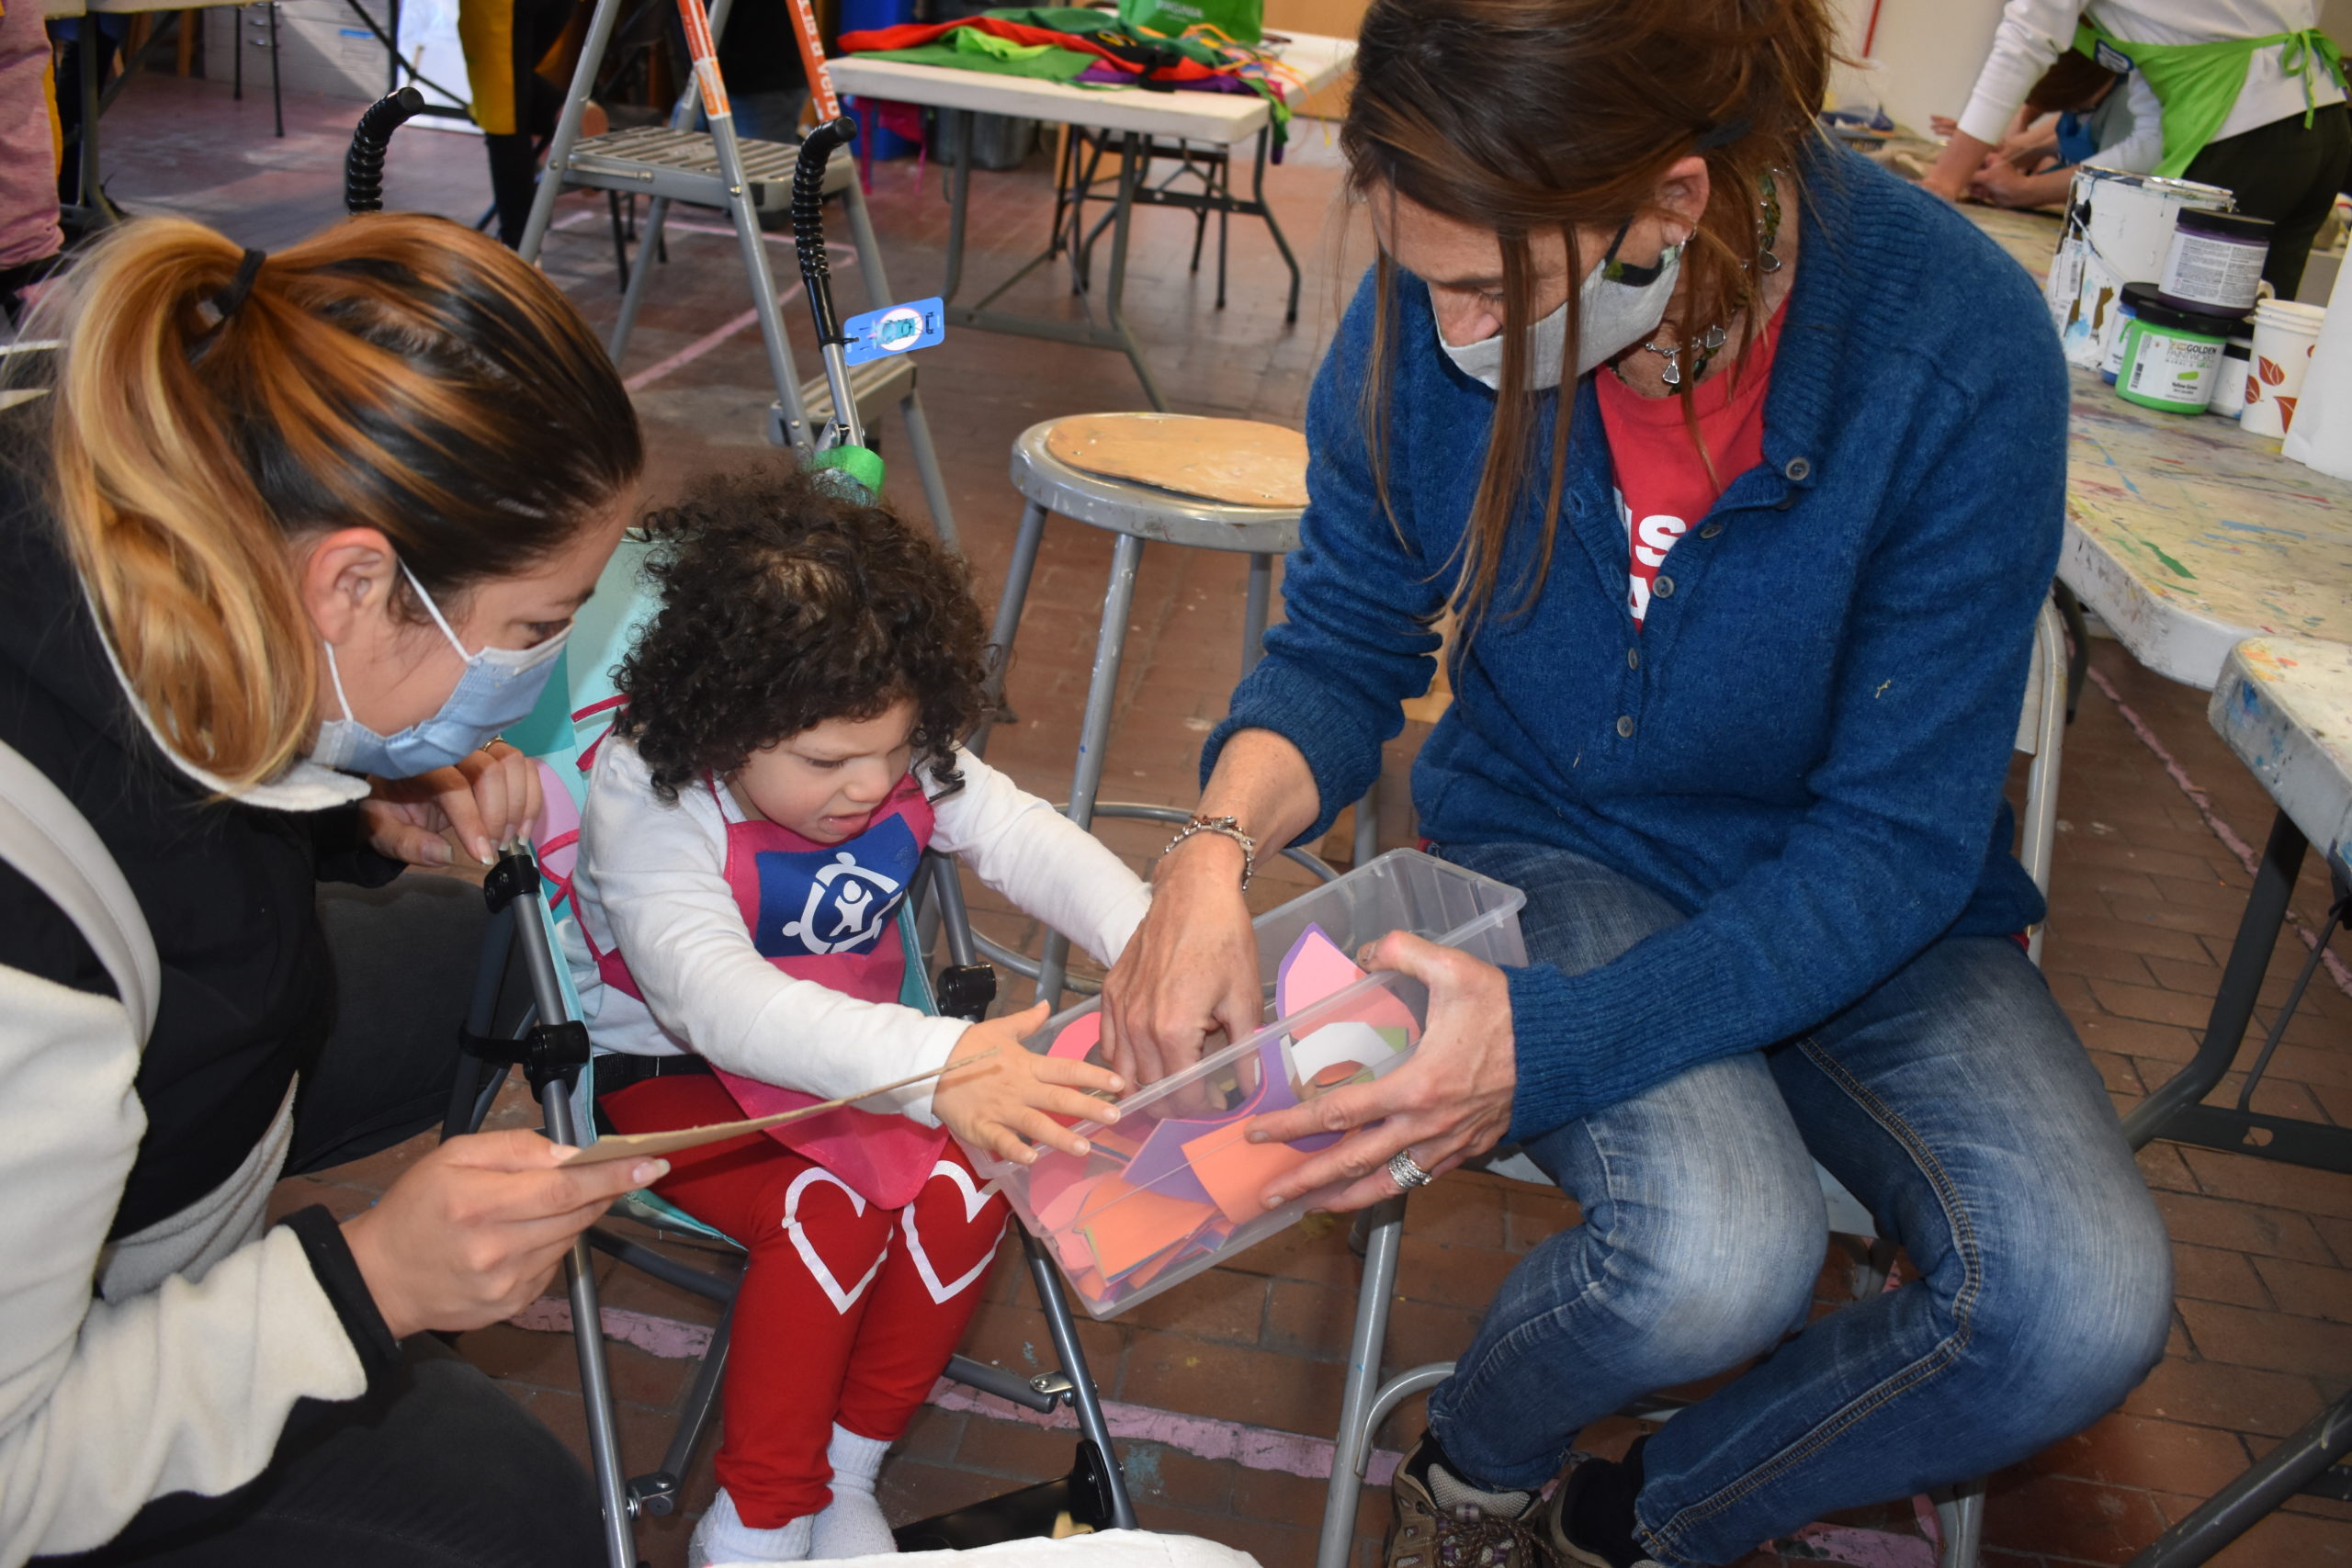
{"type": "Point", "coordinates": [1007, 1104]}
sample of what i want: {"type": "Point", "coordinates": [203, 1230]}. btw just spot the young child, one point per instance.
{"type": "Point", "coordinates": [787, 751]}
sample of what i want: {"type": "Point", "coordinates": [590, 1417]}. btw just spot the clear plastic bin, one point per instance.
{"type": "Point", "coordinates": [1173, 1185]}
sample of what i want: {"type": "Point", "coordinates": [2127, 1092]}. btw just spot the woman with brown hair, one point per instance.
{"type": "Point", "coordinates": [283, 522]}
{"type": "Point", "coordinates": [1740, 466]}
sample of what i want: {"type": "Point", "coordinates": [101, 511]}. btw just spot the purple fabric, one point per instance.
{"type": "Point", "coordinates": [28, 140]}
{"type": "Point", "coordinates": [1102, 74]}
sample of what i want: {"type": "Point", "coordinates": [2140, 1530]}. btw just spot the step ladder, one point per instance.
{"type": "Point", "coordinates": [698, 160]}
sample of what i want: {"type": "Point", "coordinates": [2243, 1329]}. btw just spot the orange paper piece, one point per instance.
{"type": "Point", "coordinates": [1125, 1225]}
{"type": "Point", "coordinates": [1236, 1172]}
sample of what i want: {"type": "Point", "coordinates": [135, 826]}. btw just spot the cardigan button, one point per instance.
{"type": "Point", "coordinates": [1633, 659]}
{"type": "Point", "coordinates": [1625, 728]}
{"type": "Point", "coordinates": [1711, 530]}
{"type": "Point", "coordinates": [1663, 587]}
{"type": "Point", "coordinates": [1798, 472]}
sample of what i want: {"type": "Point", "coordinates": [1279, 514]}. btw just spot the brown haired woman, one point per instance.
{"type": "Point", "coordinates": [1742, 465]}
{"type": "Point", "coordinates": [284, 520]}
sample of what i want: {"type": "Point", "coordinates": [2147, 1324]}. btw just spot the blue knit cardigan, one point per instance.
{"type": "Point", "coordinates": [1804, 746]}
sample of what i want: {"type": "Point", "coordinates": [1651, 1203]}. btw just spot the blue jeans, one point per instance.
{"type": "Point", "coordinates": [1957, 1104]}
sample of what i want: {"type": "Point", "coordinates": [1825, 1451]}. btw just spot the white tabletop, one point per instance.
{"type": "Point", "coordinates": [1224, 118]}
{"type": "Point", "coordinates": [2285, 708]}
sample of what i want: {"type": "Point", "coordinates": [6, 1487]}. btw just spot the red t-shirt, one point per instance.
{"type": "Point", "coordinates": [1662, 485]}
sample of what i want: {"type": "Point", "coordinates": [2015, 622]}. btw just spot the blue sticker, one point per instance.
{"type": "Point", "coordinates": [816, 902]}
{"type": "Point", "coordinates": [900, 329]}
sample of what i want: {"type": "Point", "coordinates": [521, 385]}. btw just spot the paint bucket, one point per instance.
{"type": "Point", "coordinates": [2284, 335]}
{"type": "Point", "coordinates": [2215, 261]}
{"type": "Point", "coordinates": [2237, 363]}
{"type": "Point", "coordinates": [2171, 359]}
{"type": "Point", "coordinates": [2127, 305]}
{"type": "Point", "coordinates": [2118, 230]}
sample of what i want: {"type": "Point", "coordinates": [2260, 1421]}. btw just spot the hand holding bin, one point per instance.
{"type": "Point", "coordinates": [1174, 1184]}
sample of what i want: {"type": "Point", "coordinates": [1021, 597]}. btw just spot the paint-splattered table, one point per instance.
{"type": "Point", "coordinates": [2185, 534]}
{"type": "Point", "coordinates": [2285, 708]}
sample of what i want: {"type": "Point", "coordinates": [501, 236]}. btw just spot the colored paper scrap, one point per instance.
{"type": "Point", "coordinates": [1125, 1225]}
{"type": "Point", "coordinates": [1077, 1037]}
{"type": "Point", "coordinates": [1061, 1211]}
{"type": "Point", "coordinates": [1236, 1172]}
{"type": "Point", "coordinates": [1313, 969]}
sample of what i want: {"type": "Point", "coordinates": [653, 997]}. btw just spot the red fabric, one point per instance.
{"type": "Point", "coordinates": [858, 1340]}
{"type": "Point", "coordinates": [908, 35]}
{"type": "Point", "coordinates": [1663, 486]}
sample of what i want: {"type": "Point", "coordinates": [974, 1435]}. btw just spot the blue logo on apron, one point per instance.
{"type": "Point", "coordinates": [818, 902]}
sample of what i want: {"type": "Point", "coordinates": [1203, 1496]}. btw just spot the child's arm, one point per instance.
{"type": "Point", "coordinates": [1046, 865]}
{"type": "Point", "coordinates": [656, 874]}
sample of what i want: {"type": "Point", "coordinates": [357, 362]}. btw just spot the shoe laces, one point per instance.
{"type": "Point", "coordinates": [1467, 1538]}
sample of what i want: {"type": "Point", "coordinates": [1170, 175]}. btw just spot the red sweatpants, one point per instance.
{"type": "Point", "coordinates": [848, 1313]}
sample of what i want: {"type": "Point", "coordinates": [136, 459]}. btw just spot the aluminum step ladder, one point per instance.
{"type": "Point", "coordinates": [699, 160]}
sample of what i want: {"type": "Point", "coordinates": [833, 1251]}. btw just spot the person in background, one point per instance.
{"type": "Point", "coordinates": [2079, 112]}
{"type": "Point", "coordinates": [29, 237]}
{"type": "Point", "coordinates": [508, 45]}
{"type": "Point", "coordinates": [2250, 92]}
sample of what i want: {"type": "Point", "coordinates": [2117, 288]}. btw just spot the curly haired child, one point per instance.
{"type": "Point", "coordinates": [787, 751]}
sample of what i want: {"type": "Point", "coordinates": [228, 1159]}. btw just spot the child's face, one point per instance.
{"type": "Point", "coordinates": [825, 782]}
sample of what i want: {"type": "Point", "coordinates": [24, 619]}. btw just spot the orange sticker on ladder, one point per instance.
{"type": "Point", "coordinates": [812, 57]}
{"type": "Point", "coordinates": [703, 51]}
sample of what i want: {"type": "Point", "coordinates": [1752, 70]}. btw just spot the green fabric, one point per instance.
{"type": "Point", "coordinates": [2197, 84]}
{"type": "Point", "coordinates": [857, 465]}
{"type": "Point", "coordinates": [1048, 64]}
{"type": "Point", "coordinates": [1244, 21]}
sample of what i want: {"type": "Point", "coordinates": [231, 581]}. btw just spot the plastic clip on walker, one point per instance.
{"type": "Point", "coordinates": [1174, 1184]}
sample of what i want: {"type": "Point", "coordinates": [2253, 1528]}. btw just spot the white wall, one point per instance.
{"type": "Point", "coordinates": [1924, 56]}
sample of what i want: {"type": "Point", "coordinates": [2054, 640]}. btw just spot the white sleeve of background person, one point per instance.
{"type": "Point", "coordinates": [2321, 433]}
{"type": "Point", "coordinates": [107, 1404]}
{"type": "Point", "coordinates": [1047, 866]}
{"type": "Point", "coordinates": [2031, 34]}
{"type": "Point", "coordinates": [2141, 146]}
{"type": "Point", "coordinates": [651, 878]}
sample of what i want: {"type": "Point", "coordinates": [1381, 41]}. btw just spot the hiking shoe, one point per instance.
{"type": "Point", "coordinates": [1588, 1520]}
{"type": "Point", "coordinates": [1443, 1522]}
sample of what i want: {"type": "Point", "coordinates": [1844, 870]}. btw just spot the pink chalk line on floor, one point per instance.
{"type": "Point", "coordinates": [2228, 835]}
{"type": "Point", "coordinates": [1206, 1436]}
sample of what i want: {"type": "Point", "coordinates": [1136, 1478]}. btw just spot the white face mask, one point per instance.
{"type": "Point", "coordinates": [1616, 308]}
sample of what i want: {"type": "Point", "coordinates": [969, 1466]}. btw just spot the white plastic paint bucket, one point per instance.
{"type": "Point", "coordinates": [2284, 335]}
{"type": "Point", "coordinates": [2119, 228]}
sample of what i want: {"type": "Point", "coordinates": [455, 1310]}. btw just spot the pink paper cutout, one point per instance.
{"type": "Point", "coordinates": [1236, 1172]}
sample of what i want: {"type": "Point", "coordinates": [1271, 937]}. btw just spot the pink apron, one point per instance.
{"type": "Point", "coordinates": [829, 913]}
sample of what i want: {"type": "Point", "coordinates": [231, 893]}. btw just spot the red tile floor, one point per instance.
{"type": "Point", "coordinates": [2146, 895]}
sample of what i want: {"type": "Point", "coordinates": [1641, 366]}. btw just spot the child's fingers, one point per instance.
{"type": "Point", "coordinates": [1067, 1073]}
{"type": "Point", "coordinates": [1039, 1128]}
{"type": "Point", "coordinates": [1070, 1102]}
{"type": "Point", "coordinates": [1006, 1143]}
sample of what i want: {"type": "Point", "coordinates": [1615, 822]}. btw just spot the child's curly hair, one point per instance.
{"type": "Point", "coordinates": [784, 605]}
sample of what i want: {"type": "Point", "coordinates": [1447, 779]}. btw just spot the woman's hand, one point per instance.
{"type": "Point", "coordinates": [1007, 1104]}
{"type": "Point", "coordinates": [1451, 1100]}
{"type": "Point", "coordinates": [491, 798]}
{"type": "Point", "coordinates": [472, 1234]}
{"type": "Point", "coordinates": [1190, 971]}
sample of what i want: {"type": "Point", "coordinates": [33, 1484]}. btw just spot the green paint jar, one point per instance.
{"type": "Point", "coordinates": [2172, 358]}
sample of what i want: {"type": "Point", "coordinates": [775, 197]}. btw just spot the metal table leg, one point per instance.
{"type": "Point", "coordinates": [1094, 733]}
{"type": "Point", "coordinates": [2265, 912]}
{"type": "Point", "coordinates": [2234, 1509]}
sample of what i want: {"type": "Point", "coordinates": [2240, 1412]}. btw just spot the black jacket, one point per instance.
{"type": "Point", "coordinates": [228, 889]}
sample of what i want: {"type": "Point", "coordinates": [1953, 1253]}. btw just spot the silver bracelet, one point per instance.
{"type": "Point", "coordinates": [1226, 827]}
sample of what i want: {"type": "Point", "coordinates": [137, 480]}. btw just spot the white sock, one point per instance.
{"type": "Point", "coordinates": [721, 1536]}
{"type": "Point", "coordinates": [851, 1525]}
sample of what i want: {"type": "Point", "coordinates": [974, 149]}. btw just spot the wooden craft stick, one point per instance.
{"type": "Point", "coordinates": [637, 1145]}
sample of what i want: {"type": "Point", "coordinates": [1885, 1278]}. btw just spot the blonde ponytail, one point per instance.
{"type": "Point", "coordinates": [395, 372]}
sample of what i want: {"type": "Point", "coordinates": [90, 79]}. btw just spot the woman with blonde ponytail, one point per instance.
{"type": "Point", "coordinates": [1737, 467]}
{"type": "Point", "coordinates": [289, 540]}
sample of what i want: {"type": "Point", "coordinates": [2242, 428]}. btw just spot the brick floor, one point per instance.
{"type": "Point", "coordinates": [2145, 900]}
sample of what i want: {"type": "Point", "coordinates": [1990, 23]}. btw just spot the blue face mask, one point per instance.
{"type": "Point", "coordinates": [500, 687]}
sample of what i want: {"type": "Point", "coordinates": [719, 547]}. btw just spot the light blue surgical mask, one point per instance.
{"type": "Point", "coordinates": [500, 687]}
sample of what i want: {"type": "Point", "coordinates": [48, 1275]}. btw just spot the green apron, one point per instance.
{"type": "Point", "coordinates": [2197, 84]}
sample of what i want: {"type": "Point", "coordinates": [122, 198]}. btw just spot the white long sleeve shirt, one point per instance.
{"type": "Point", "coordinates": [2130, 126]}
{"type": "Point", "coordinates": [651, 882]}
{"type": "Point", "coordinates": [2034, 33]}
